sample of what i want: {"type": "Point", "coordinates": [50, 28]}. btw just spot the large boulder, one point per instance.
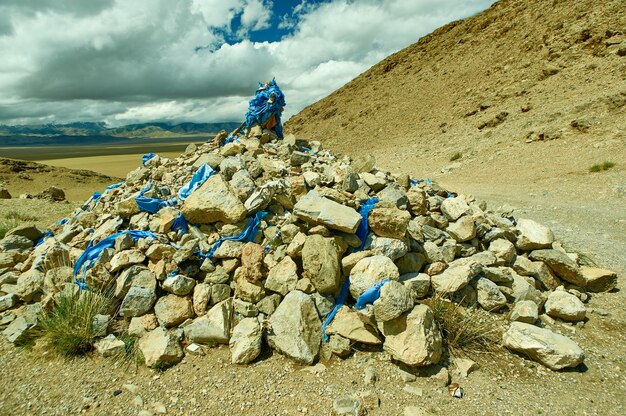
{"type": "Point", "coordinates": [489, 296]}
{"type": "Point", "coordinates": [15, 242]}
{"type": "Point", "coordinates": [413, 338]}
{"type": "Point", "coordinates": [30, 285]}
{"type": "Point", "coordinates": [369, 271]}
{"type": "Point", "coordinates": [532, 235]}
{"type": "Point", "coordinates": [389, 222]}
{"type": "Point", "coordinates": [283, 277]}
{"type": "Point", "coordinates": [320, 261]}
{"type": "Point", "coordinates": [599, 280]}
{"type": "Point", "coordinates": [454, 208]}
{"type": "Point", "coordinates": [561, 264]}
{"type": "Point", "coordinates": [462, 229]}
{"type": "Point", "coordinates": [160, 348]}
{"type": "Point", "coordinates": [316, 209]}
{"type": "Point", "coordinates": [565, 306]}
{"type": "Point", "coordinates": [245, 343]}
{"type": "Point", "coordinates": [138, 301]}
{"type": "Point", "coordinates": [456, 276]}
{"type": "Point", "coordinates": [296, 328]}
{"type": "Point", "coordinates": [394, 300]}
{"type": "Point", "coordinates": [525, 311]}
{"type": "Point", "coordinates": [26, 230]}
{"type": "Point", "coordinates": [544, 346]}
{"type": "Point", "coordinates": [347, 324]}
{"type": "Point", "coordinates": [214, 201]}
{"type": "Point", "coordinates": [178, 284]}
{"type": "Point", "coordinates": [172, 310]}
{"type": "Point", "coordinates": [212, 327]}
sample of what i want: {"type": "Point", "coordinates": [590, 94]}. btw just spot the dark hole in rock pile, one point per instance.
{"type": "Point", "coordinates": [282, 285]}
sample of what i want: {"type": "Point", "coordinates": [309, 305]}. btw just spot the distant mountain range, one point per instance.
{"type": "Point", "coordinates": [132, 130]}
{"type": "Point", "coordinates": [90, 131]}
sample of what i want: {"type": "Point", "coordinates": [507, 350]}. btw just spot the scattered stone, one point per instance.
{"type": "Point", "coordinates": [525, 311]}
{"type": "Point", "coordinates": [544, 346]}
{"type": "Point", "coordinates": [565, 306]}
{"type": "Point", "coordinates": [110, 346]}
{"type": "Point", "coordinates": [598, 280]}
{"type": "Point", "coordinates": [465, 366]}
{"type": "Point", "coordinates": [347, 406]}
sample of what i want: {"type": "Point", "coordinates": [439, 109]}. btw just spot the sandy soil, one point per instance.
{"type": "Point", "coordinates": [112, 165]}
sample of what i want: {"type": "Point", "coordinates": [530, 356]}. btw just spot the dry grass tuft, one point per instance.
{"type": "Point", "coordinates": [464, 330]}
{"type": "Point", "coordinates": [68, 328]}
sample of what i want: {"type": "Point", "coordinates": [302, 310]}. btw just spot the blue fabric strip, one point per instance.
{"type": "Point", "coordinates": [248, 234]}
{"type": "Point", "coordinates": [370, 295]}
{"type": "Point", "coordinates": [364, 228]}
{"type": "Point", "coordinates": [92, 253]}
{"type": "Point", "coordinates": [203, 173]}
{"type": "Point", "coordinates": [338, 304]}
{"type": "Point", "coordinates": [145, 158]}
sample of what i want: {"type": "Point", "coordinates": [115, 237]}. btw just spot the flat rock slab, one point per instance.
{"type": "Point", "coordinates": [544, 346]}
{"type": "Point", "coordinates": [316, 209]}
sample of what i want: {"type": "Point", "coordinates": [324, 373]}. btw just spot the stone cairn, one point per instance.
{"type": "Point", "coordinates": [282, 284]}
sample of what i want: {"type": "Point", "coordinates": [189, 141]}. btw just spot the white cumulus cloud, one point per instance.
{"type": "Point", "coordinates": [192, 60]}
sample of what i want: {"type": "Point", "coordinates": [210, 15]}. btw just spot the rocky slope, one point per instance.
{"type": "Point", "coordinates": [524, 96]}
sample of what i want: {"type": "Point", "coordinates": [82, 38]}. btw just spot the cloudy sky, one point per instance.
{"type": "Point", "coordinates": [127, 61]}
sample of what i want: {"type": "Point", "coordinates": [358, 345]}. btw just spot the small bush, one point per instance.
{"type": "Point", "coordinates": [455, 156]}
{"type": "Point", "coordinates": [599, 167]}
{"type": "Point", "coordinates": [68, 328]}
{"type": "Point", "coordinates": [464, 330]}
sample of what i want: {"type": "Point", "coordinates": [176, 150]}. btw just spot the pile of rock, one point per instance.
{"type": "Point", "coordinates": [281, 285]}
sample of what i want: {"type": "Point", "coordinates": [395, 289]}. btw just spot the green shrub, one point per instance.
{"type": "Point", "coordinates": [599, 167]}
{"type": "Point", "coordinates": [464, 330]}
{"type": "Point", "coordinates": [68, 328]}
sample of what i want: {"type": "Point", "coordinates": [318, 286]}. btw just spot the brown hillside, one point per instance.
{"type": "Point", "coordinates": [522, 70]}
{"type": "Point", "coordinates": [20, 177]}
{"type": "Point", "coordinates": [529, 93]}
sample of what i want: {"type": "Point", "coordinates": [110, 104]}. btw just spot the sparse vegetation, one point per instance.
{"type": "Point", "coordinates": [599, 167]}
{"type": "Point", "coordinates": [464, 329]}
{"type": "Point", "coordinates": [68, 328]}
{"type": "Point", "coordinates": [18, 216]}
{"type": "Point", "coordinates": [12, 219]}
{"type": "Point", "coordinates": [455, 156]}
{"type": "Point", "coordinates": [132, 354]}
